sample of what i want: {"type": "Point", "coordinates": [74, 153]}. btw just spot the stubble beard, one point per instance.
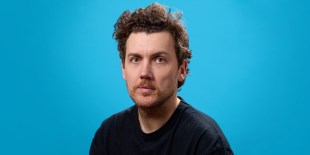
{"type": "Point", "coordinates": [154, 101]}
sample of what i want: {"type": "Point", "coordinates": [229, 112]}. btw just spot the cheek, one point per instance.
{"type": "Point", "coordinates": [167, 78]}
{"type": "Point", "coordinates": [130, 80]}
{"type": "Point", "coordinates": [132, 76]}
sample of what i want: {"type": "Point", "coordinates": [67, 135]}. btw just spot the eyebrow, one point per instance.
{"type": "Point", "coordinates": [154, 54]}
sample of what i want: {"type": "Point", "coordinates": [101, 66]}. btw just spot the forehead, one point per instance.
{"type": "Point", "coordinates": [144, 43]}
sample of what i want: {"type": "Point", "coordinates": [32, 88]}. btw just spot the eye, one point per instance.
{"type": "Point", "coordinates": [134, 59]}
{"type": "Point", "coordinates": [160, 60]}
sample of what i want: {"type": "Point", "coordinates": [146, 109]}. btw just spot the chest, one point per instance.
{"type": "Point", "coordinates": [172, 141]}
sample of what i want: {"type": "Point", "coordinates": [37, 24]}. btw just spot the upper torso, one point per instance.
{"type": "Point", "coordinates": [187, 132]}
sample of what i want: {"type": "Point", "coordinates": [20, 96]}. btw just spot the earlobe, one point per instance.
{"type": "Point", "coordinates": [123, 70]}
{"type": "Point", "coordinates": [183, 70]}
{"type": "Point", "coordinates": [181, 78]}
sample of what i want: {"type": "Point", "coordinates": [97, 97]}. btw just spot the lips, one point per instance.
{"type": "Point", "coordinates": [145, 89]}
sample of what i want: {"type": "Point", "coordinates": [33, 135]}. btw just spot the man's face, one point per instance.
{"type": "Point", "coordinates": [151, 68]}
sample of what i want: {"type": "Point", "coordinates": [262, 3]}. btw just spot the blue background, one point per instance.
{"type": "Point", "coordinates": [60, 72]}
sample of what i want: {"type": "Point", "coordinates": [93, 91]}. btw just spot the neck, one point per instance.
{"type": "Point", "coordinates": [152, 119]}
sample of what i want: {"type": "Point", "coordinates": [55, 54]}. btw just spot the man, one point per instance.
{"type": "Point", "coordinates": [154, 50]}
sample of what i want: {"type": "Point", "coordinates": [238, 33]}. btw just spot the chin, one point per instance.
{"type": "Point", "coordinates": [146, 102]}
{"type": "Point", "coordinates": [150, 101]}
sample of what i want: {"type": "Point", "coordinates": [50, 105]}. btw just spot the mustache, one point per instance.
{"type": "Point", "coordinates": [146, 84]}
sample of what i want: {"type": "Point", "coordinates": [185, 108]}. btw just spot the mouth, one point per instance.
{"type": "Point", "coordinates": [145, 89]}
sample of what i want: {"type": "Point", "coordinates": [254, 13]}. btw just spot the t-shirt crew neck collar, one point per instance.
{"type": "Point", "coordinates": [165, 128]}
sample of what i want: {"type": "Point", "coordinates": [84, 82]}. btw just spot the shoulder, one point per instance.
{"type": "Point", "coordinates": [109, 131]}
{"type": "Point", "coordinates": [199, 120]}
{"type": "Point", "coordinates": [208, 134]}
{"type": "Point", "coordinates": [119, 118]}
{"type": "Point", "coordinates": [115, 123]}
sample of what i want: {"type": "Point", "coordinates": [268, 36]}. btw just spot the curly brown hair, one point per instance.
{"type": "Point", "coordinates": [153, 18]}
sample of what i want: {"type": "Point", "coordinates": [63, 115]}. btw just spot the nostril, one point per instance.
{"type": "Point", "coordinates": [145, 76]}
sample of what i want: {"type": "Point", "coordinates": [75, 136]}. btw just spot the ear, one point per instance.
{"type": "Point", "coordinates": [182, 71]}
{"type": "Point", "coordinates": [123, 70]}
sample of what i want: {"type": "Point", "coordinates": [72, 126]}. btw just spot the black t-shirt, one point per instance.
{"type": "Point", "coordinates": [187, 132]}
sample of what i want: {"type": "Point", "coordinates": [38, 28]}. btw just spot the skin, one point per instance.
{"type": "Point", "coordinates": [152, 73]}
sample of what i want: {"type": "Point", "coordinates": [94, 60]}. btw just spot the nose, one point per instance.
{"type": "Point", "coordinates": [146, 71]}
